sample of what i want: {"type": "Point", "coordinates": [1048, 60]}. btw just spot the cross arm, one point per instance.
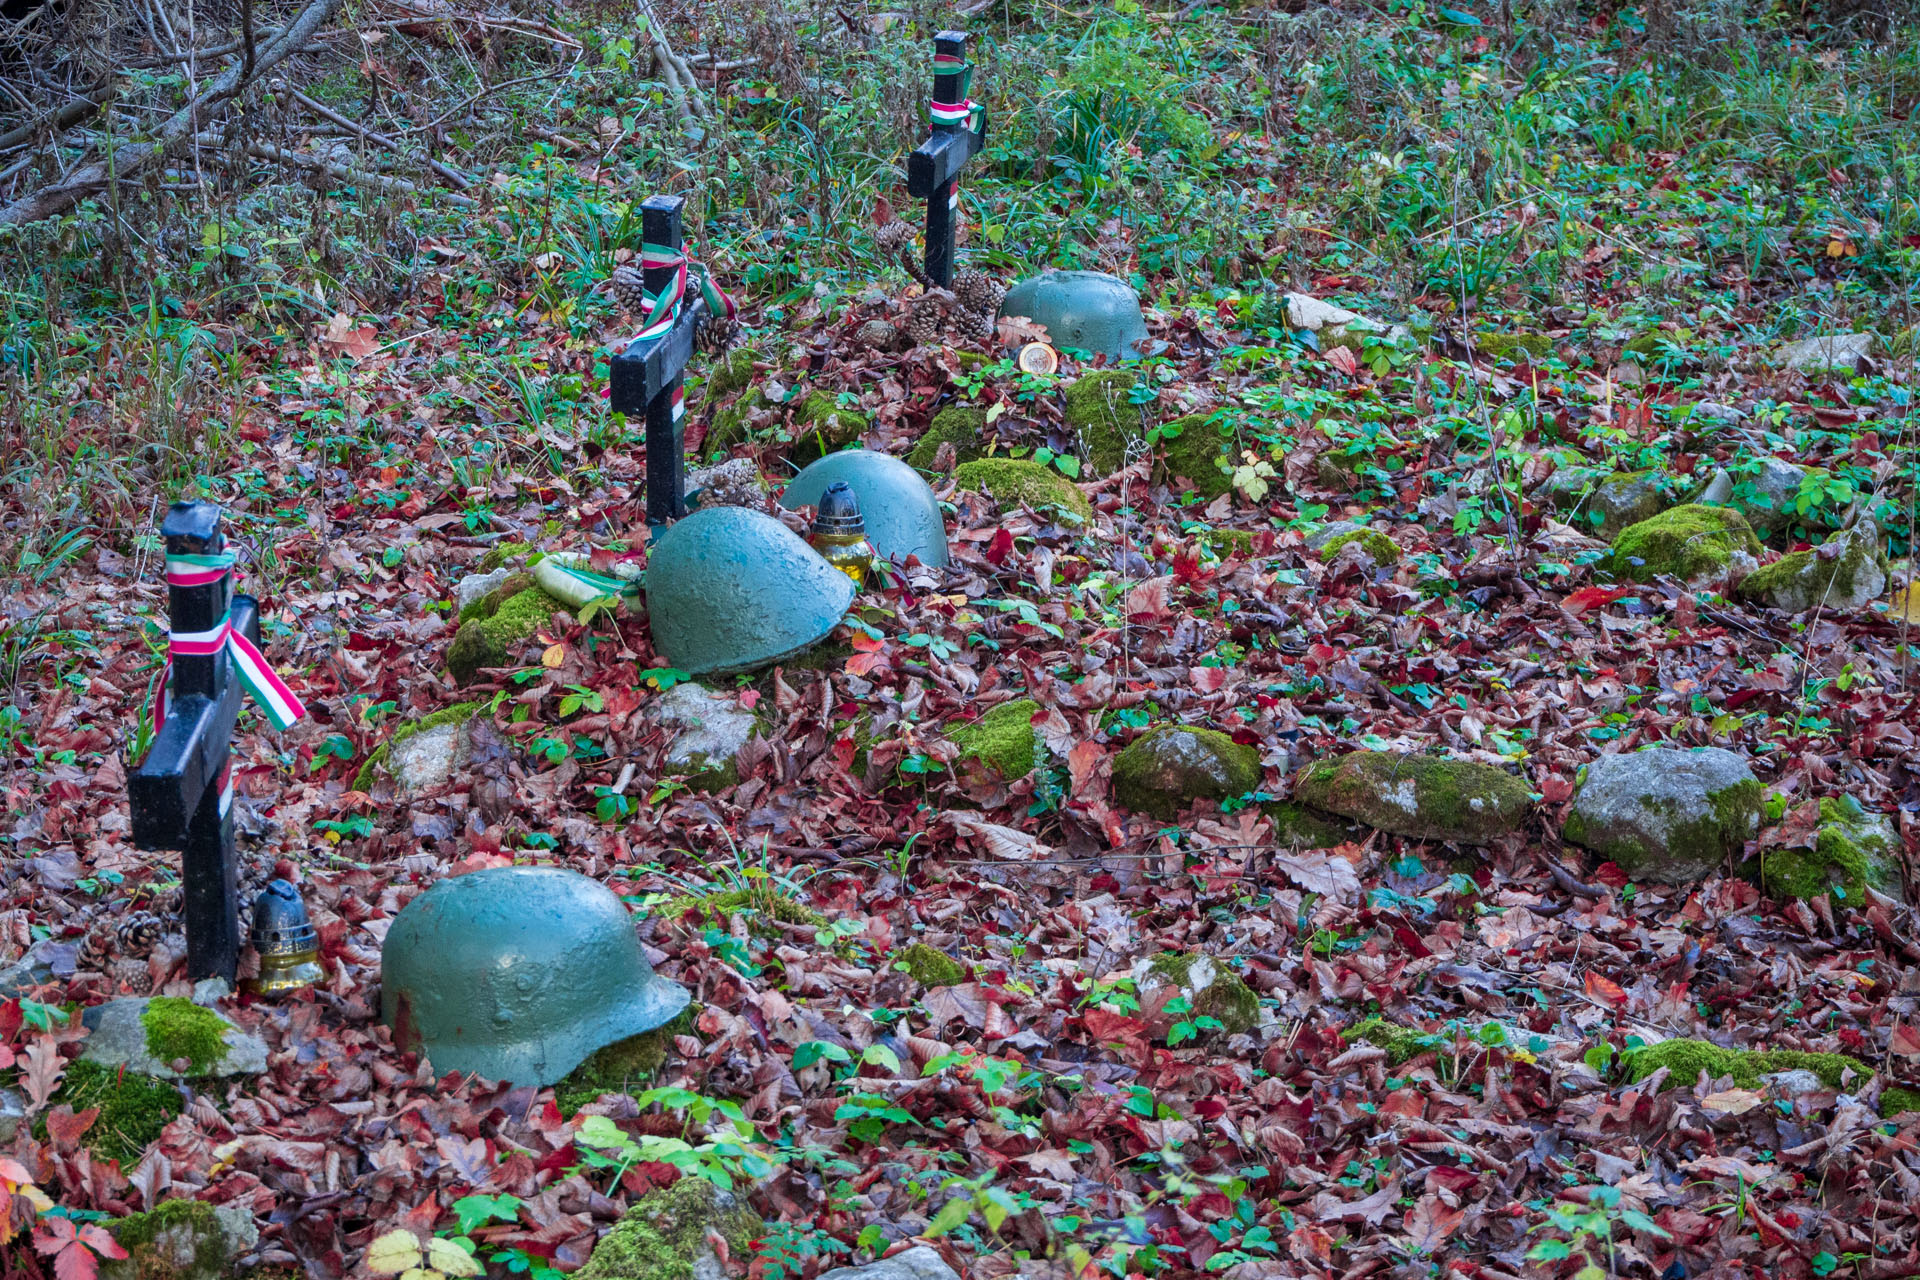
{"type": "Point", "coordinates": [939, 160]}
{"type": "Point", "coordinates": [646, 368]}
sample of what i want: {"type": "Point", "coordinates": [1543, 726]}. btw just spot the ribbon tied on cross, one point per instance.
{"type": "Point", "coordinates": [660, 308]}
{"type": "Point", "coordinates": [278, 701]}
{"type": "Point", "coordinates": [966, 111]}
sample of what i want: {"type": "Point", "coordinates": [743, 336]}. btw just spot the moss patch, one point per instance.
{"type": "Point", "coordinates": [458, 713]}
{"type": "Point", "coordinates": [930, 966]}
{"type": "Point", "coordinates": [488, 642]}
{"type": "Point", "coordinates": [502, 554]}
{"type": "Point", "coordinates": [182, 1029]}
{"type": "Point", "coordinates": [730, 373]}
{"type": "Point", "coordinates": [1897, 1101]}
{"type": "Point", "coordinates": [1424, 797]}
{"type": "Point", "coordinates": [1402, 1044]}
{"type": "Point", "coordinates": [1015, 480]}
{"type": "Point", "coordinates": [1166, 769]}
{"type": "Point", "coordinates": [1685, 1059]}
{"type": "Point", "coordinates": [1101, 409]}
{"type": "Point", "coordinates": [665, 1232]}
{"type": "Point", "coordinates": [1191, 449]}
{"type": "Point", "coordinates": [1849, 854]}
{"type": "Point", "coordinates": [820, 426]}
{"type": "Point", "coordinates": [1378, 546]}
{"type": "Point", "coordinates": [964, 426]}
{"type": "Point", "coordinates": [489, 604]}
{"type": "Point", "coordinates": [133, 1108]}
{"type": "Point", "coordinates": [1003, 738]}
{"type": "Point", "coordinates": [623, 1066]}
{"type": "Point", "coordinates": [1510, 347]}
{"type": "Point", "coordinates": [1297, 827]}
{"type": "Point", "coordinates": [720, 908]}
{"type": "Point", "coordinates": [149, 1255]}
{"type": "Point", "coordinates": [1226, 997]}
{"type": "Point", "coordinates": [1689, 542]}
{"type": "Point", "coordinates": [1804, 580]}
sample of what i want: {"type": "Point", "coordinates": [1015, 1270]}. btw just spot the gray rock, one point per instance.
{"type": "Point", "coordinates": [1845, 574]}
{"type": "Point", "coordinates": [1163, 771]}
{"type": "Point", "coordinates": [1328, 532]}
{"type": "Point", "coordinates": [713, 729]}
{"type": "Point", "coordinates": [119, 1039]}
{"type": "Point", "coordinates": [1718, 491]}
{"type": "Point", "coordinates": [45, 961]}
{"type": "Point", "coordinates": [475, 587]}
{"type": "Point", "coordinates": [191, 1240]}
{"type": "Point", "coordinates": [1713, 411]}
{"type": "Point", "coordinates": [211, 991]}
{"type": "Point", "coordinates": [1792, 1084]}
{"type": "Point", "coordinates": [13, 1114]}
{"type": "Point", "coordinates": [1667, 815]}
{"type": "Point", "coordinates": [1619, 499]}
{"type": "Point", "coordinates": [428, 758]}
{"type": "Point", "coordinates": [1768, 497]}
{"type": "Point", "coordinates": [922, 1262]}
{"type": "Point", "coordinates": [1835, 350]}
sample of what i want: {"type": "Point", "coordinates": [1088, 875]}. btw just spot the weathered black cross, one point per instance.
{"type": "Point", "coordinates": [955, 137]}
{"type": "Point", "coordinates": [182, 794]}
{"type": "Point", "coordinates": [646, 376]}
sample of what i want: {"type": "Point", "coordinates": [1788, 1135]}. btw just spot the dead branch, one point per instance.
{"type": "Point", "coordinates": [130, 160]}
{"type": "Point", "coordinates": [447, 171]}
{"type": "Point", "coordinates": [53, 122]}
{"type": "Point", "coordinates": [681, 84]}
{"type": "Point", "coordinates": [338, 172]}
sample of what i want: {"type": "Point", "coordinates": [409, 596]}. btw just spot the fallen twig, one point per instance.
{"type": "Point", "coordinates": [341, 172]}
{"type": "Point", "coordinates": [447, 171]}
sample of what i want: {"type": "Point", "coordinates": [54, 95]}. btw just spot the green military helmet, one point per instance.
{"type": "Point", "coordinates": [1084, 311]}
{"type": "Point", "coordinates": [518, 974]}
{"type": "Point", "coordinates": [903, 517]}
{"type": "Point", "coordinates": [730, 589]}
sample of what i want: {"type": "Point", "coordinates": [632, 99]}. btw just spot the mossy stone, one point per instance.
{"type": "Point", "coordinates": [964, 426]}
{"type": "Point", "coordinates": [625, 1066]}
{"type": "Point", "coordinates": [179, 1240]}
{"type": "Point", "coordinates": [1166, 769]}
{"type": "Point", "coordinates": [1402, 1044]}
{"type": "Point", "coordinates": [1222, 994]}
{"type": "Point", "coordinates": [1297, 827]}
{"type": "Point", "coordinates": [134, 1108]}
{"type": "Point", "coordinates": [1422, 797]}
{"type": "Point", "coordinates": [1623, 499]}
{"type": "Point", "coordinates": [730, 372]}
{"type": "Point", "coordinates": [1686, 1059]}
{"type": "Point", "coordinates": [490, 641]}
{"type": "Point", "coordinates": [1851, 851]}
{"type": "Point", "coordinates": [1381, 549]}
{"type": "Point", "coordinates": [1191, 448]}
{"type": "Point", "coordinates": [1665, 814]}
{"type": "Point", "coordinates": [489, 604]}
{"type": "Point", "coordinates": [1018, 480]}
{"type": "Point", "coordinates": [1101, 409]}
{"type": "Point", "coordinates": [182, 1029]}
{"type": "Point", "coordinates": [820, 426]}
{"type": "Point", "coordinates": [1804, 580]}
{"type": "Point", "coordinates": [1509, 347]}
{"type": "Point", "coordinates": [502, 554]}
{"type": "Point", "coordinates": [1004, 738]}
{"type": "Point", "coordinates": [663, 1236]}
{"type": "Point", "coordinates": [1691, 542]}
{"type": "Point", "coordinates": [930, 966]}
{"type": "Point", "coordinates": [458, 713]}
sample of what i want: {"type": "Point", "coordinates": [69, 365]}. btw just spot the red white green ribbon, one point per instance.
{"type": "Point", "coordinates": [278, 701]}
{"type": "Point", "coordinates": [966, 111]}
{"type": "Point", "coordinates": [663, 308]}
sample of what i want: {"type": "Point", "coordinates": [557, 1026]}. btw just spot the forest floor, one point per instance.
{"type": "Point", "coordinates": [1201, 1029]}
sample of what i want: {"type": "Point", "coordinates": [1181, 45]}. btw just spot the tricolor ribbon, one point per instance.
{"type": "Point", "coordinates": [267, 688]}
{"type": "Point", "coordinates": [966, 111]}
{"type": "Point", "coordinates": [663, 308]}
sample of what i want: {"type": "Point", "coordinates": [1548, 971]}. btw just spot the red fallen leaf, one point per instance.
{"type": "Point", "coordinates": [1000, 548]}
{"type": "Point", "coordinates": [1905, 1040]}
{"type": "Point", "coordinates": [1105, 1024]}
{"type": "Point", "coordinates": [66, 1127]}
{"type": "Point", "coordinates": [1593, 598]}
{"type": "Point", "coordinates": [1554, 789]}
{"type": "Point", "coordinates": [1343, 360]}
{"type": "Point", "coordinates": [1208, 679]}
{"type": "Point", "coordinates": [1452, 1178]}
{"type": "Point", "coordinates": [1610, 875]}
{"type": "Point", "coordinates": [1606, 990]}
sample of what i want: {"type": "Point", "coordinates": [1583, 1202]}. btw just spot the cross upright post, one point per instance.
{"type": "Point", "coordinates": [954, 137]}
{"type": "Point", "coordinates": [181, 795]}
{"type": "Point", "coordinates": [647, 375]}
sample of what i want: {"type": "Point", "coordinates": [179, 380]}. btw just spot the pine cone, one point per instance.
{"type": "Point", "coordinates": [974, 288]}
{"type": "Point", "coordinates": [717, 335]}
{"type": "Point", "coordinates": [99, 947]}
{"type": "Point", "coordinates": [976, 325]}
{"type": "Point", "coordinates": [629, 289]}
{"type": "Point", "coordinates": [893, 236]}
{"type": "Point", "coordinates": [877, 334]}
{"type": "Point", "coordinates": [923, 320]}
{"type": "Point", "coordinates": [137, 935]}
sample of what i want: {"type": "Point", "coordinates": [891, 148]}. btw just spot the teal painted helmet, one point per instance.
{"type": "Point", "coordinates": [518, 974]}
{"type": "Point", "coordinates": [1084, 311]}
{"type": "Point", "coordinates": [903, 517]}
{"type": "Point", "coordinates": [730, 589]}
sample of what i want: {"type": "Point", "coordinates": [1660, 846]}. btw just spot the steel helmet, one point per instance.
{"type": "Point", "coordinates": [1083, 310]}
{"type": "Point", "coordinates": [903, 517]}
{"type": "Point", "coordinates": [730, 589]}
{"type": "Point", "coordinates": [518, 974]}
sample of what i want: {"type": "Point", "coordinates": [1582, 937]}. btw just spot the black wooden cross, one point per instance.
{"type": "Point", "coordinates": [933, 170]}
{"type": "Point", "coordinates": [182, 794]}
{"type": "Point", "coordinates": [646, 376]}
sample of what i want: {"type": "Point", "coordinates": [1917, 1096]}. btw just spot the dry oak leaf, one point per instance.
{"type": "Point", "coordinates": [995, 840]}
{"type": "Point", "coordinates": [341, 338]}
{"type": "Point", "coordinates": [1319, 872]}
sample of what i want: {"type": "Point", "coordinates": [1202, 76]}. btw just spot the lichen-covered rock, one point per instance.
{"type": "Point", "coordinates": [1846, 573]}
{"type": "Point", "coordinates": [1297, 827]}
{"type": "Point", "coordinates": [1381, 549]}
{"type": "Point", "coordinates": [1621, 499]}
{"type": "Point", "coordinates": [1004, 738]}
{"type": "Point", "coordinates": [1833, 350]}
{"type": "Point", "coordinates": [490, 641]}
{"type": "Point", "coordinates": [663, 1236]}
{"type": "Point", "coordinates": [1019, 481]}
{"type": "Point", "coordinates": [1769, 496]}
{"type": "Point", "coordinates": [1664, 814]}
{"type": "Point", "coordinates": [1166, 769]}
{"type": "Point", "coordinates": [1191, 449]}
{"type": "Point", "coordinates": [1693, 543]}
{"type": "Point", "coordinates": [1212, 989]}
{"type": "Point", "coordinates": [712, 731]}
{"type": "Point", "coordinates": [922, 1262]}
{"type": "Point", "coordinates": [1423, 797]}
{"type": "Point", "coordinates": [180, 1240]}
{"type": "Point", "coordinates": [475, 587]}
{"type": "Point", "coordinates": [1100, 408]}
{"type": "Point", "coordinates": [1852, 850]}
{"type": "Point", "coordinates": [422, 753]}
{"type": "Point", "coordinates": [170, 1039]}
{"type": "Point", "coordinates": [964, 426]}
{"type": "Point", "coordinates": [929, 966]}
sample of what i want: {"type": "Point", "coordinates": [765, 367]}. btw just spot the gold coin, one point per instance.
{"type": "Point", "coordinates": [1038, 357]}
